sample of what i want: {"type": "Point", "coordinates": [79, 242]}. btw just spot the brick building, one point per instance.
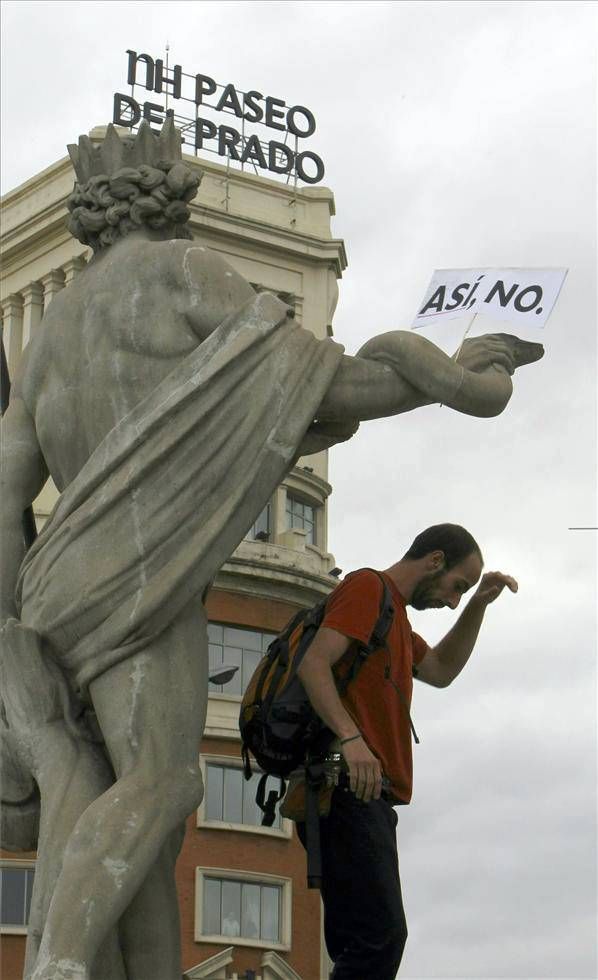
{"type": "Point", "coordinates": [245, 908]}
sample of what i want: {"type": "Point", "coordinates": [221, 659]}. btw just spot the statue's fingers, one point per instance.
{"type": "Point", "coordinates": [499, 343]}
{"type": "Point", "coordinates": [502, 351]}
{"type": "Point", "coordinates": [524, 351]}
{"type": "Point", "coordinates": [503, 358]}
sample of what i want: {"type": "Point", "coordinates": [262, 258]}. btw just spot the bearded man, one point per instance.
{"type": "Point", "coordinates": [364, 920]}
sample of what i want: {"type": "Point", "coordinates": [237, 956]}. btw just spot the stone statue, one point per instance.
{"type": "Point", "coordinates": [167, 400]}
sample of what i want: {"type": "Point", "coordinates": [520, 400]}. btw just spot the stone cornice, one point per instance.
{"type": "Point", "coordinates": [274, 236]}
{"type": "Point", "coordinates": [21, 191]}
{"type": "Point", "coordinates": [300, 474]}
{"type": "Point", "coordinates": [41, 228]}
{"type": "Point", "coordinates": [53, 215]}
{"type": "Point", "coordinates": [27, 219]}
{"type": "Point", "coordinates": [50, 223]}
{"type": "Point", "coordinates": [272, 571]}
{"type": "Point", "coordinates": [64, 166]}
{"type": "Point", "coordinates": [42, 239]}
{"type": "Point", "coordinates": [211, 968]}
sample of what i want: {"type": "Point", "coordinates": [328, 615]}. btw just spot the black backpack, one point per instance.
{"type": "Point", "coordinates": [277, 722]}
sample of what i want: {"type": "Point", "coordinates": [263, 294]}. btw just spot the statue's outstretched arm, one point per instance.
{"type": "Point", "coordinates": [398, 371]}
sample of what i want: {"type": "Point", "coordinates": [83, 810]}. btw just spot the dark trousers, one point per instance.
{"type": "Point", "coordinates": [364, 920]}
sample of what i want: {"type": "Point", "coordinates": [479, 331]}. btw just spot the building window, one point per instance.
{"type": "Point", "coordinates": [16, 886]}
{"type": "Point", "coordinates": [230, 798]}
{"type": "Point", "coordinates": [302, 516]}
{"type": "Point", "coordinates": [238, 908]}
{"type": "Point", "coordinates": [261, 527]}
{"type": "Point", "coordinates": [243, 908]}
{"type": "Point", "coordinates": [234, 645]}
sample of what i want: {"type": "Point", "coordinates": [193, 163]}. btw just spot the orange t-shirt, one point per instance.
{"type": "Point", "coordinates": [372, 698]}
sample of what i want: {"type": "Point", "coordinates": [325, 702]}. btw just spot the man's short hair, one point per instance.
{"type": "Point", "coordinates": [453, 540]}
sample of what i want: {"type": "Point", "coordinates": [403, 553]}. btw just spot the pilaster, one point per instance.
{"type": "Point", "coordinates": [33, 309]}
{"type": "Point", "coordinates": [52, 283]}
{"type": "Point", "coordinates": [12, 319]}
{"type": "Point", "coordinates": [72, 268]}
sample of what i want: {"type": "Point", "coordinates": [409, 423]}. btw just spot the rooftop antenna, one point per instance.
{"type": "Point", "coordinates": [166, 87]}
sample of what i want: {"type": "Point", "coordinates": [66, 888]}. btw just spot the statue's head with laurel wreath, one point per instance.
{"type": "Point", "coordinates": [130, 183]}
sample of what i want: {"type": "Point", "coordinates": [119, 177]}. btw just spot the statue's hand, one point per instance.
{"type": "Point", "coordinates": [502, 350]}
{"type": "Point", "coordinates": [479, 353]}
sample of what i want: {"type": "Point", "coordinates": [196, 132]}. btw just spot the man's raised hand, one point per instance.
{"type": "Point", "coordinates": [492, 584]}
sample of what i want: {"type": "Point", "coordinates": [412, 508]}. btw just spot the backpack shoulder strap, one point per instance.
{"type": "Point", "coordinates": [279, 653]}
{"type": "Point", "coordinates": [385, 616]}
{"type": "Point", "coordinates": [377, 636]}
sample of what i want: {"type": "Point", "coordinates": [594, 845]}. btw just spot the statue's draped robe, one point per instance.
{"type": "Point", "coordinates": [172, 489]}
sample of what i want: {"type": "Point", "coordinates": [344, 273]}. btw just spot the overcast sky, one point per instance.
{"type": "Point", "coordinates": [454, 135]}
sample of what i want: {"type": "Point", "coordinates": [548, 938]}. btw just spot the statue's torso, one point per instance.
{"type": "Point", "coordinates": [105, 343]}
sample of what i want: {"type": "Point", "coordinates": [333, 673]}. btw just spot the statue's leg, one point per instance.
{"type": "Point", "coordinates": [148, 950]}
{"type": "Point", "coordinates": [71, 773]}
{"type": "Point", "coordinates": [151, 710]}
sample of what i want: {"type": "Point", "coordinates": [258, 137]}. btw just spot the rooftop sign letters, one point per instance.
{"type": "Point", "coordinates": [198, 104]}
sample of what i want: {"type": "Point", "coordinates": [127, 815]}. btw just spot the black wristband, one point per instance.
{"type": "Point", "coordinates": [351, 738]}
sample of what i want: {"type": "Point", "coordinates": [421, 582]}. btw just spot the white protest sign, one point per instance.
{"type": "Point", "coordinates": [516, 295]}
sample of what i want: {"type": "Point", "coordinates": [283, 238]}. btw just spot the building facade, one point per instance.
{"type": "Point", "coordinates": [245, 908]}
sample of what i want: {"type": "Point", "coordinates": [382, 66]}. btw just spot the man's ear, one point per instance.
{"type": "Point", "coordinates": [435, 561]}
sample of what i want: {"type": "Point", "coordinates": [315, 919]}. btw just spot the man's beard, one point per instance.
{"type": "Point", "coordinates": [422, 597]}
